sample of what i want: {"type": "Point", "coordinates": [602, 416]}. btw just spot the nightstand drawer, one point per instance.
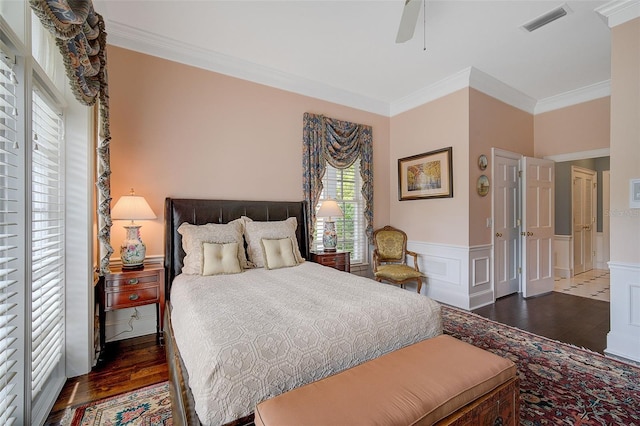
{"type": "Point", "coordinates": [339, 260]}
{"type": "Point", "coordinates": [127, 281]}
{"type": "Point", "coordinates": [130, 298]}
{"type": "Point", "coordinates": [332, 260]}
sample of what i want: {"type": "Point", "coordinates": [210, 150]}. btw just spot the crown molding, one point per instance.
{"type": "Point", "coordinates": [430, 93]}
{"type": "Point", "coordinates": [495, 88]}
{"type": "Point", "coordinates": [619, 11]}
{"type": "Point", "coordinates": [582, 155]}
{"type": "Point", "coordinates": [131, 38]}
{"type": "Point", "coordinates": [573, 97]}
{"type": "Point", "coordinates": [163, 47]}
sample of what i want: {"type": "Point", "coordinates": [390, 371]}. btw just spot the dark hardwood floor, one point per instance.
{"type": "Point", "coordinates": [576, 320]}
{"type": "Point", "coordinates": [128, 365]}
{"type": "Point", "coordinates": [134, 363]}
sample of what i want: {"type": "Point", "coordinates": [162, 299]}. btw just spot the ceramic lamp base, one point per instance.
{"type": "Point", "coordinates": [329, 237]}
{"type": "Point", "coordinates": [133, 250]}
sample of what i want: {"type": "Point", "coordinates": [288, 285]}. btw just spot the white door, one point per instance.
{"type": "Point", "coordinates": [537, 226]}
{"type": "Point", "coordinates": [583, 194]}
{"type": "Point", "coordinates": [506, 223]}
{"type": "Point", "coordinates": [606, 176]}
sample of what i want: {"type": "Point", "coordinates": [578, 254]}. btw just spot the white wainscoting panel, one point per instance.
{"type": "Point", "coordinates": [601, 262]}
{"type": "Point", "coordinates": [624, 338]}
{"type": "Point", "coordinates": [563, 256]}
{"type": "Point", "coordinates": [456, 275]}
{"type": "Point", "coordinates": [480, 279]}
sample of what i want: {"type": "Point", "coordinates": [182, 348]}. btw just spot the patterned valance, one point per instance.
{"type": "Point", "coordinates": [340, 144]}
{"type": "Point", "coordinates": [81, 37]}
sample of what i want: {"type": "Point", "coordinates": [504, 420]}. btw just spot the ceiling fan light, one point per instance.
{"type": "Point", "coordinates": [545, 19]}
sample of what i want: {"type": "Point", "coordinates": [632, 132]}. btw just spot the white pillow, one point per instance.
{"type": "Point", "coordinates": [254, 232]}
{"type": "Point", "coordinates": [220, 259]}
{"type": "Point", "coordinates": [278, 253]}
{"type": "Point", "coordinates": [194, 235]}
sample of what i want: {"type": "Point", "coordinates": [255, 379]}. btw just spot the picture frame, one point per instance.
{"type": "Point", "coordinates": [482, 162]}
{"type": "Point", "coordinates": [634, 193]}
{"type": "Point", "coordinates": [482, 186]}
{"type": "Point", "coordinates": [426, 175]}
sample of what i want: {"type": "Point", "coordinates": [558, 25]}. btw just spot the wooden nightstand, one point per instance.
{"type": "Point", "coordinates": [339, 260]}
{"type": "Point", "coordinates": [129, 289]}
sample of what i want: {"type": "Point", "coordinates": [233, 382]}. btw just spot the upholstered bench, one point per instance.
{"type": "Point", "coordinates": [437, 381]}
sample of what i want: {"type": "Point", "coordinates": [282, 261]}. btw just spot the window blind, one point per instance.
{"type": "Point", "coordinates": [47, 243]}
{"type": "Point", "coordinates": [9, 171]}
{"type": "Point", "coordinates": [345, 186]}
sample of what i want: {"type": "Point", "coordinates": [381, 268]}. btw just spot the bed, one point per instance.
{"type": "Point", "coordinates": [233, 340]}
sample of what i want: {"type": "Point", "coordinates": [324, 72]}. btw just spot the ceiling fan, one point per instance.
{"type": "Point", "coordinates": [408, 21]}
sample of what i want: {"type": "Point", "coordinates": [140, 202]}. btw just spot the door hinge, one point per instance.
{"type": "Point", "coordinates": [594, 253]}
{"type": "Point", "coordinates": [519, 173]}
{"type": "Point", "coordinates": [519, 270]}
{"type": "Point", "coordinates": [595, 185]}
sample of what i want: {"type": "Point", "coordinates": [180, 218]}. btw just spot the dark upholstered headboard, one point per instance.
{"type": "Point", "coordinates": [199, 212]}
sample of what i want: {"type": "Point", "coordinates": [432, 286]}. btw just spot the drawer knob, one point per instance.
{"type": "Point", "coordinates": [133, 281]}
{"type": "Point", "coordinates": [134, 296]}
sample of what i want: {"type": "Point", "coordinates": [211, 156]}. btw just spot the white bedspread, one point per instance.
{"type": "Point", "coordinates": [251, 336]}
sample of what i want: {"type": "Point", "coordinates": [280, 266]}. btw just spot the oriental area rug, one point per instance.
{"type": "Point", "coordinates": [149, 406]}
{"type": "Point", "coordinates": [559, 384]}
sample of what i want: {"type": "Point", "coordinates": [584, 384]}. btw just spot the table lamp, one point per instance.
{"type": "Point", "coordinates": [132, 207]}
{"type": "Point", "coordinates": [329, 209]}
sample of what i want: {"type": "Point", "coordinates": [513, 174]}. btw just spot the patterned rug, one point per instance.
{"type": "Point", "coordinates": [559, 384]}
{"type": "Point", "coordinates": [149, 406]}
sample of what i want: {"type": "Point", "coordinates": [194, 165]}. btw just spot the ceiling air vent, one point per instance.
{"type": "Point", "coordinates": [545, 19]}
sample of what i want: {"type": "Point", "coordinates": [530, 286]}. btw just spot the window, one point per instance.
{"type": "Point", "coordinates": [345, 186]}
{"type": "Point", "coordinates": [32, 236]}
{"type": "Point", "coordinates": [47, 242]}
{"type": "Point", "coordinates": [9, 241]}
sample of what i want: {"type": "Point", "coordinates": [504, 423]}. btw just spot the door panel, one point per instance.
{"type": "Point", "coordinates": [506, 225]}
{"type": "Point", "coordinates": [583, 218]}
{"type": "Point", "coordinates": [537, 226]}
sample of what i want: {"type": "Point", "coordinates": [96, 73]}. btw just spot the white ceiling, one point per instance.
{"type": "Point", "coordinates": [345, 51]}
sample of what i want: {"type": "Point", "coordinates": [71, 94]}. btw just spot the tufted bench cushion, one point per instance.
{"type": "Point", "coordinates": [421, 384]}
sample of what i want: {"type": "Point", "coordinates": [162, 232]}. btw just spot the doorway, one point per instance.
{"type": "Point", "coordinates": [523, 224]}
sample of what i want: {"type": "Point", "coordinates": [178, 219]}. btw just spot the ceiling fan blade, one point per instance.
{"type": "Point", "coordinates": [408, 21]}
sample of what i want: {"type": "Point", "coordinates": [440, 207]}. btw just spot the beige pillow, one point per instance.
{"type": "Point", "coordinates": [220, 259]}
{"type": "Point", "coordinates": [254, 232]}
{"type": "Point", "coordinates": [194, 235]}
{"type": "Point", "coordinates": [278, 253]}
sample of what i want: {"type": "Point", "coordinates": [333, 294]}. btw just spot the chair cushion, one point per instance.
{"type": "Point", "coordinates": [390, 245]}
{"type": "Point", "coordinates": [396, 272]}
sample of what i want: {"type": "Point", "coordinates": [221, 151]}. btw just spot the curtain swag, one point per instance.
{"type": "Point", "coordinates": [80, 35]}
{"type": "Point", "coordinates": [339, 143]}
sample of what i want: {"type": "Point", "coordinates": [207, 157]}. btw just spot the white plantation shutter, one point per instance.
{"type": "Point", "coordinates": [345, 186]}
{"type": "Point", "coordinates": [9, 286]}
{"type": "Point", "coordinates": [47, 243]}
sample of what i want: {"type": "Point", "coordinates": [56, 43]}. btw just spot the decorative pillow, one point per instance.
{"type": "Point", "coordinates": [254, 232]}
{"type": "Point", "coordinates": [220, 259]}
{"type": "Point", "coordinates": [194, 235]}
{"type": "Point", "coordinates": [278, 253]}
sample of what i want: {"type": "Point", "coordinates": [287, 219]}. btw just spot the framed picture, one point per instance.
{"type": "Point", "coordinates": [482, 186]}
{"type": "Point", "coordinates": [634, 194]}
{"type": "Point", "coordinates": [483, 162]}
{"type": "Point", "coordinates": [428, 175]}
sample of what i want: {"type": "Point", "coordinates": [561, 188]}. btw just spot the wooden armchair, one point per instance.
{"type": "Point", "coordinates": [390, 258]}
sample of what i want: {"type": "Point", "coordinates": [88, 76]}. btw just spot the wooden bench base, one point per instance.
{"type": "Point", "coordinates": [437, 381]}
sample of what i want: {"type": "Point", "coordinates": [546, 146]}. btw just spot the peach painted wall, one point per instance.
{"type": "Point", "coordinates": [182, 131]}
{"type": "Point", "coordinates": [576, 128]}
{"type": "Point", "coordinates": [625, 140]}
{"type": "Point", "coordinates": [492, 124]}
{"type": "Point", "coordinates": [437, 124]}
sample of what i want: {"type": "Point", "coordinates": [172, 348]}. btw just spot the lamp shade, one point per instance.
{"type": "Point", "coordinates": [132, 207]}
{"type": "Point", "coordinates": [329, 208]}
